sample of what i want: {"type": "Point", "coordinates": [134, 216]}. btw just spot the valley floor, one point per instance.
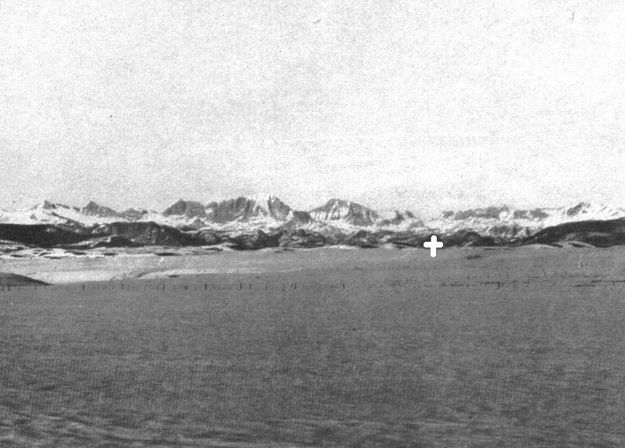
{"type": "Point", "coordinates": [327, 347]}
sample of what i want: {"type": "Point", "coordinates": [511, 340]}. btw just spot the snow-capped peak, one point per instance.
{"type": "Point", "coordinates": [345, 211]}
{"type": "Point", "coordinates": [269, 212]}
{"type": "Point", "coordinates": [593, 211]}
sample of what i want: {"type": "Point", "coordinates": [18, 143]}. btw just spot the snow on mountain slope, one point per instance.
{"type": "Point", "coordinates": [240, 213]}
{"type": "Point", "coordinates": [586, 211]}
{"type": "Point", "coordinates": [237, 214]}
{"type": "Point", "coordinates": [245, 215]}
{"type": "Point", "coordinates": [345, 211]}
{"type": "Point", "coordinates": [95, 209]}
{"type": "Point", "coordinates": [186, 208]}
{"type": "Point", "coordinates": [239, 209]}
{"type": "Point", "coordinates": [507, 222]}
{"type": "Point", "coordinates": [398, 221]}
{"type": "Point", "coordinates": [53, 213]}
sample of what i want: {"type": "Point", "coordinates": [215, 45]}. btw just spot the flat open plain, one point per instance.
{"type": "Point", "coordinates": [363, 348]}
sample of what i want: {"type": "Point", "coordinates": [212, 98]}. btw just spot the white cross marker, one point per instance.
{"type": "Point", "coordinates": [433, 244]}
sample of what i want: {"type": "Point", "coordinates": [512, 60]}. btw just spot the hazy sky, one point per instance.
{"type": "Point", "coordinates": [416, 104]}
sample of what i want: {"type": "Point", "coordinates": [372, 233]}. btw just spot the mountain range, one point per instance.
{"type": "Point", "coordinates": [244, 223]}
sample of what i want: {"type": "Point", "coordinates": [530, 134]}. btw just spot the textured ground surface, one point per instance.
{"type": "Point", "coordinates": [476, 348]}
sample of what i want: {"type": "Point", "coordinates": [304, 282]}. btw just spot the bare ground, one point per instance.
{"type": "Point", "coordinates": [476, 348]}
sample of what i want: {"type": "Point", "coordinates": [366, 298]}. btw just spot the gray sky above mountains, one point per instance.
{"type": "Point", "coordinates": [418, 105]}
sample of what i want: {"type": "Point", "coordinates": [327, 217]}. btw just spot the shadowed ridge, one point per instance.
{"type": "Point", "coordinates": [10, 279]}
{"type": "Point", "coordinates": [597, 233]}
{"type": "Point", "coordinates": [42, 235]}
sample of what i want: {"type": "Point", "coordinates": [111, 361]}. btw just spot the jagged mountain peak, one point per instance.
{"type": "Point", "coordinates": [49, 205]}
{"type": "Point", "coordinates": [91, 205]}
{"type": "Point", "coordinates": [239, 209]}
{"type": "Point", "coordinates": [399, 218]}
{"type": "Point", "coordinates": [536, 213]}
{"type": "Point", "coordinates": [586, 210]}
{"type": "Point", "coordinates": [491, 212]}
{"type": "Point", "coordinates": [502, 213]}
{"type": "Point", "coordinates": [95, 209]}
{"type": "Point", "coordinates": [592, 208]}
{"type": "Point", "coordinates": [271, 197]}
{"type": "Point", "coordinates": [191, 209]}
{"type": "Point", "coordinates": [45, 205]}
{"type": "Point", "coordinates": [134, 214]}
{"type": "Point", "coordinates": [278, 209]}
{"type": "Point", "coordinates": [346, 211]}
{"type": "Point", "coordinates": [336, 202]}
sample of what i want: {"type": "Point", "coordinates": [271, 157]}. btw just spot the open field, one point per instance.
{"type": "Point", "coordinates": [475, 348]}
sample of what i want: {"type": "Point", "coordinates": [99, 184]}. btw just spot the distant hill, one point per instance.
{"type": "Point", "coordinates": [596, 233]}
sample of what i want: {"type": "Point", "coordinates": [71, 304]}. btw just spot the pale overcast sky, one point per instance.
{"type": "Point", "coordinates": [412, 104]}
